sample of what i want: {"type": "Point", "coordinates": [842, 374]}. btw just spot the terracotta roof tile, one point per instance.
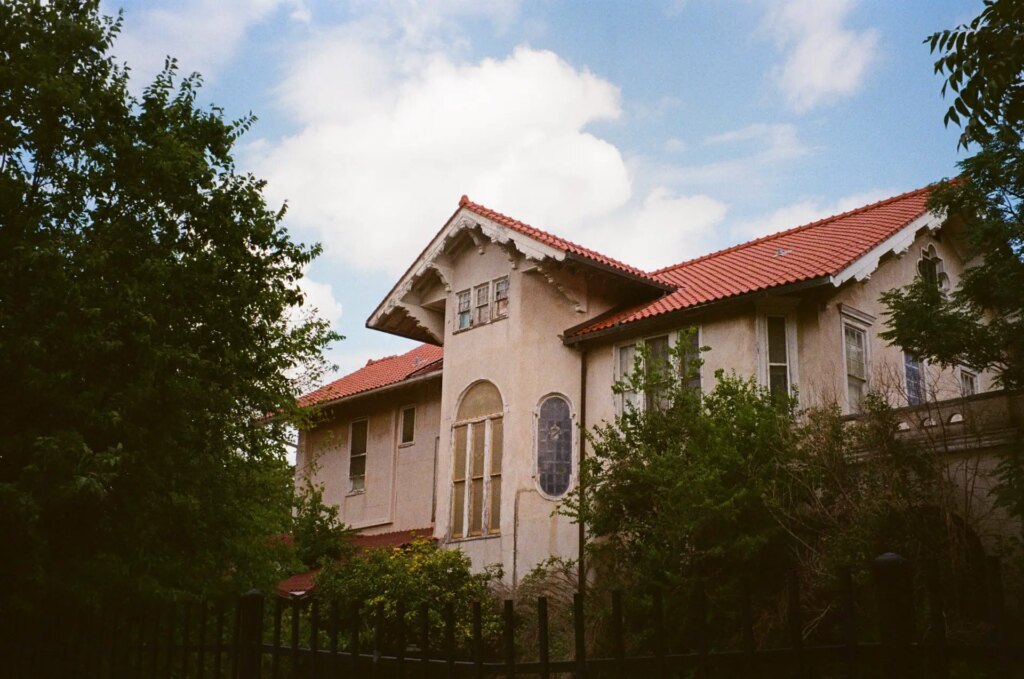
{"type": "Point", "coordinates": [383, 372]}
{"type": "Point", "coordinates": [821, 248]}
{"type": "Point", "coordinates": [301, 583]}
{"type": "Point", "coordinates": [557, 242]}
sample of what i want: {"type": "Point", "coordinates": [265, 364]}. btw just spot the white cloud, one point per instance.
{"type": "Point", "coordinates": [824, 60]}
{"type": "Point", "coordinates": [391, 137]}
{"type": "Point", "coordinates": [665, 229]}
{"type": "Point", "coordinates": [800, 213]}
{"type": "Point", "coordinates": [753, 153]}
{"type": "Point", "coordinates": [201, 34]}
{"type": "Point", "coordinates": [320, 297]}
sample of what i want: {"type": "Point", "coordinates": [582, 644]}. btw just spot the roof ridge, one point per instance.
{"type": "Point", "coordinates": [795, 229]}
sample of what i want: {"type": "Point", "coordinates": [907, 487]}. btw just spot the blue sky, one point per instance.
{"type": "Point", "coordinates": [650, 131]}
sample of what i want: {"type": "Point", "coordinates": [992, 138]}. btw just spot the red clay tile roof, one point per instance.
{"type": "Point", "coordinates": [558, 243]}
{"type": "Point", "coordinates": [302, 583]}
{"type": "Point", "coordinates": [383, 372]}
{"type": "Point", "coordinates": [821, 248]}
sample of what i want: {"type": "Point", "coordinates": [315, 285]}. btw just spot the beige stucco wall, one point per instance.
{"type": "Point", "coordinates": [399, 477]}
{"type": "Point", "coordinates": [524, 358]}
{"type": "Point", "coordinates": [821, 356]}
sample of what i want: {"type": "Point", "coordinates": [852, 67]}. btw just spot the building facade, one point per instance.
{"type": "Point", "coordinates": [474, 435]}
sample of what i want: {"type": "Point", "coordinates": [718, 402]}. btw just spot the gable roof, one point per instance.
{"type": "Point", "coordinates": [561, 244]}
{"type": "Point", "coordinates": [820, 250]}
{"type": "Point", "coordinates": [376, 374]}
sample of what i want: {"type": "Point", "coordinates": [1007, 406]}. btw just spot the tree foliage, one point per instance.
{"type": "Point", "coordinates": [147, 296]}
{"type": "Point", "coordinates": [982, 63]}
{"type": "Point", "coordinates": [737, 484]}
{"type": "Point", "coordinates": [981, 324]}
{"type": "Point", "coordinates": [320, 536]}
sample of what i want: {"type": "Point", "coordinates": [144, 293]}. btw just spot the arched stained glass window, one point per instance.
{"type": "Point", "coordinates": [554, 446]}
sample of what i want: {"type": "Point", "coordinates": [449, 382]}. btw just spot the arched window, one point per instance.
{"type": "Point", "coordinates": [554, 446]}
{"type": "Point", "coordinates": [477, 444]}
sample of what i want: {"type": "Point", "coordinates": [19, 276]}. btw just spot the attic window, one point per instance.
{"type": "Point", "coordinates": [483, 303]}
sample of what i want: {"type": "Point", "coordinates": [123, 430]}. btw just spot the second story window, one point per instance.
{"type": "Point", "coordinates": [465, 317]}
{"type": "Point", "coordinates": [408, 425]}
{"type": "Point", "coordinates": [855, 344]}
{"type": "Point", "coordinates": [913, 371]}
{"type": "Point", "coordinates": [357, 456]}
{"type": "Point", "coordinates": [932, 270]}
{"type": "Point", "coordinates": [501, 297]}
{"type": "Point", "coordinates": [968, 382]}
{"type": "Point", "coordinates": [778, 355]}
{"type": "Point", "coordinates": [483, 304]}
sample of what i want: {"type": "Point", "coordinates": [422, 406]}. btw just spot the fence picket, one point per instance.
{"type": "Point", "coordinates": [509, 630]}
{"type": "Point", "coordinates": [579, 635]}
{"type": "Point", "coordinates": [275, 652]}
{"type": "Point", "coordinates": [794, 616]}
{"type": "Point", "coordinates": [542, 637]}
{"type": "Point", "coordinates": [618, 635]}
{"type": "Point", "coordinates": [850, 623]}
{"type": "Point", "coordinates": [449, 638]}
{"type": "Point", "coordinates": [314, 638]}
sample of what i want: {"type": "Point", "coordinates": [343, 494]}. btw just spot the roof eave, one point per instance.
{"type": "Point", "coordinates": [378, 390]}
{"type": "Point", "coordinates": [635, 327]}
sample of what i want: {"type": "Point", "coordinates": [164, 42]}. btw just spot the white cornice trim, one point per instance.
{"type": "Point", "coordinates": [898, 243]}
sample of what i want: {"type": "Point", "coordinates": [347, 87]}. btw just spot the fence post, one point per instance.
{"type": "Point", "coordinates": [250, 645]}
{"type": "Point", "coordinates": [894, 590]}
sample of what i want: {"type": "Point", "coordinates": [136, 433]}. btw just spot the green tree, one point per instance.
{"type": "Point", "coordinates": [980, 323]}
{"type": "Point", "coordinates": [678, 491]}
{"type": "Point", "coordinates": [147, 303]}
{"type": "Point", "coordinates": [319, 533]}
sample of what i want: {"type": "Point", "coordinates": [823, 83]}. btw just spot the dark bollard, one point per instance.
{"type": "Point", "coordinates": [250, 646]}
{"type": "Point", "coordinates": [894, 589]}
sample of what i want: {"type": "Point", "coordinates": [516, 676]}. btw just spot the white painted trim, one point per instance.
{"type": "Point", "coordinates": [855, 319]}
{"type": "Point", "coordinates": [862, 268]}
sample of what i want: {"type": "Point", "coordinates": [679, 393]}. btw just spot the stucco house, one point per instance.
{"type": "Point", "coordinates": [473, 436]}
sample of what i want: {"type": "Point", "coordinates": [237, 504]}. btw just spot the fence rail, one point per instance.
{"type": "Point", "coordinates": [252, 638]}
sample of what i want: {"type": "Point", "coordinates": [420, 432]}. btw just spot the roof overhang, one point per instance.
{"type": "Point", "coordinates": [402, 312]}
{"type": "Point", "coordinates": [898, 243]}
{"type": "Point", "coordinates": [425, 377]}
{"type": "Point", "coordinates": [860, 269]}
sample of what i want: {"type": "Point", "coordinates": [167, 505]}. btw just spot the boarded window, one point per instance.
{"type": "Point", "coordinates": [554, 446]}
{"type": "Point", "coordinates": [477, 440]}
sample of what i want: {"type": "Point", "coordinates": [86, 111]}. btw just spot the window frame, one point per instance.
{"type": "Point", "coordinates": [352, 490]}
{"type": "Point", "coordinates": [922, 382]}
{"type": "Point", "coordinates": [466, 313]}
{"type": "Point", "coordinates": [673, 338]}
{"type": "Point", "coordinates": [858, 320]}
{"type": "Point", "coordinates": [572, 446]}
{"type": "Point", "coordinates": [488, 474]}
{"type": "Point", "coordinates": [479, 309]}
{"type": "Point", "coordinates": [495, 315]}
{"type": "Point", "coordinates": [974, 376]}
{"type": "Point", "coordinates": [401, 425]}
{"type": "Point", "coordinates": [786, 311]}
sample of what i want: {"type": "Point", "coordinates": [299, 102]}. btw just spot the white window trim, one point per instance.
{"type": "Point", "coordinates": [786, 310]}
{"type": "Point", "coordinates": [863, 322]}
{"type": "Point", "coordinates": [960, 379]}
{"type": "Point", "coordinates": [401, 425]}
{"type": "Point", "coordinates": [926, 394]}
{"type": "Point", "coordinates": [673, 339]}
{"type": "Point", "coordinates": [573, 475]}
{"type": "Point", "coordinates": [351, 427]}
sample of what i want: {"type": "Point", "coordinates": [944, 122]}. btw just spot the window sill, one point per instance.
{"type": "Point", "coordinates": [473, 538]}
{"type": "Point", "coordinates": [407, 444]}
{"type": "Point", "coordinates": [459, 331]}
{"type": "Point", "coordinates": [352, 493]}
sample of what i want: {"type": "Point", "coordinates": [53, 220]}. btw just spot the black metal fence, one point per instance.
{"type": "Point", "coordinates": [254, 637]}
